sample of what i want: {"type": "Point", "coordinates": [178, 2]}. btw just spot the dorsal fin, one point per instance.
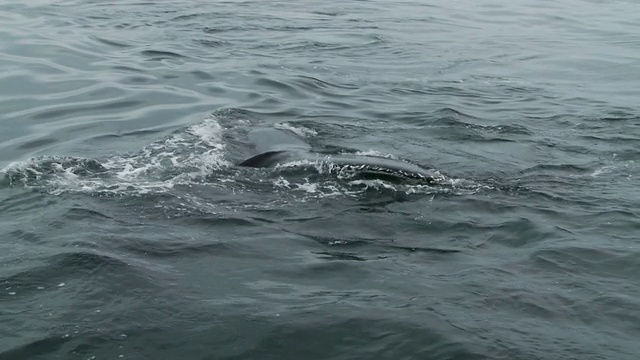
{"type": "Point", "coordinates": [265, 159]}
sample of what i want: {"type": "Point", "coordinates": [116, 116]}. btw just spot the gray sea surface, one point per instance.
{"type": "Point", "coordinates": [128, 230]}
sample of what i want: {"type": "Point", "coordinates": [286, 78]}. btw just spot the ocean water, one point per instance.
{"type": "Point", "coordinates": [128, 230]}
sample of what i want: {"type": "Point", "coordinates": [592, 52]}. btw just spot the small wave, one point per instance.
{"type": "Point", "coordinates": [60, 269]}
{"type": "Point", "coordinates": [33, 170]}
{"type": "Point", "coordinates": [474, 128]}
{"type": "Point", "coordinates": [184, 157]}
{"type": "Point", "coordinates": [556, 169]}
{"type": "Point", "coordinates": [161, 54]}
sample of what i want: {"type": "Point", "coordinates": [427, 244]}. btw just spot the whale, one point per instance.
{"type": "Point", "coordinates": [276, 148]}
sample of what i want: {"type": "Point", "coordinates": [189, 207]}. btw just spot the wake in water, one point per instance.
{"type": "Point", "coordinates": [199, 155]}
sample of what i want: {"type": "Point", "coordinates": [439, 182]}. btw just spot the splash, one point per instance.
{"type": "Point", "coordinates": [185, 157]}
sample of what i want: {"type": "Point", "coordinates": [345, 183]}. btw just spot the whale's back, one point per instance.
{"type": "Point", "coordinates": [280, 147]}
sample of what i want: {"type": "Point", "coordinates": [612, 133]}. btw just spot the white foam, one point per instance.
{"type": "Point", "coordinates": [299, 130]}
{"type": "Point", "coordinates": [311, 188]}
{"type": "Point", "coordinates": [180, 158]}
{"type": "Point", "coordinates": [282, 183]}
{"type": "Point", "coordinates": [192, 154]}
{"type": "Point", "coordinates": [374, 183]}
{"type": "Point", "coordinates": [376, 154]}
{"type": "Point", "coordinates": [209, 132]}
{"type": "Point", "coordinates": [603, 170]}
{"type": "Point", "coordinates": [323, 189]}
{"type": "Point", "coordinates": [617, 166]}
{"type": "Point", "coordinates": [300, 163]}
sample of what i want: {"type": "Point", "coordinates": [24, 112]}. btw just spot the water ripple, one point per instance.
{"type": "Point", "coordinates": [126, 222]}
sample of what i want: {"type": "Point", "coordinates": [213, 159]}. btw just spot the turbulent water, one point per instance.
{"type": "Point", "coordinates": [129, 231]}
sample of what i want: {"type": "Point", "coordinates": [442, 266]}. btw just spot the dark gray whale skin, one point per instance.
{"type": "Point", "coordinates": [277, 148]}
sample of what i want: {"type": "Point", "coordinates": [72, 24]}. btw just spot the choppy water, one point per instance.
{"type": "Point", "coordinates": [129, 232]}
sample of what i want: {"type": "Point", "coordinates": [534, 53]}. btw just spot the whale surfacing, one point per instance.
{"type": "Point", "coordinates": [288, 148]}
